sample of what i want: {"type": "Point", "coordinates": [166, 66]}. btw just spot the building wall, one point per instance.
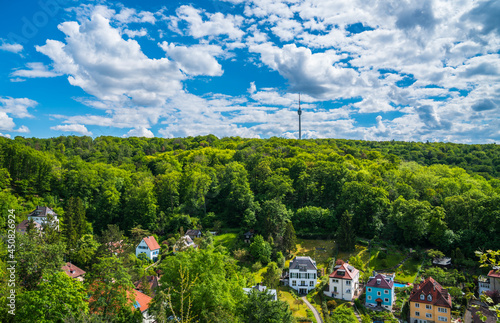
{"type": "Point", "coordinates": [343, 286]}
{"type": "Point", "coordinates": [143, 247]}
{"type": "Point", "coordinates": [435, 314]}
{"type": "Point", "coordinates": [310, 282]}
{"type": "Point", "coordinates": [372, 295]}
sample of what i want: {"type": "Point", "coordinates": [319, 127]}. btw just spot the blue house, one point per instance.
{"type": "Point", "coordinates": [380, 291]}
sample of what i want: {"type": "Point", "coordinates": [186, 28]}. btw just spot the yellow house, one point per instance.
{"type": "Point", "coordinates": [429, 303]}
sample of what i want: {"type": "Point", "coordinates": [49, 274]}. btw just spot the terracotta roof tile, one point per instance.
{"type": "Point", "coordinates": [151, 242]}
{"type": "Point", "coordinates": [142, 299]}
{"type": "Point", "coordinates": [349, 273]}
{"type": "Point", "coordinates": [494, 273]}
{"type": "Point", "coordinates": [72, 270]}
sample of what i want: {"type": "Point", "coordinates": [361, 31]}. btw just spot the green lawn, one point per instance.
{"type": "Point", "coordinates": [228, 240]}
{"type": "Point", "coordinates": [393, 258]}
{"type": "Point", "coordinates": [319, 250]}
{"type": "Point", "coordinates": [285, 294]}
{"type": "Point", "coordinates": [408, 272]}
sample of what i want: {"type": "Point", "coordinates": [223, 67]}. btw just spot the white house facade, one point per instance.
{"type": "Point", "coordinates": [490, 282]}
{"type": "Point", "coordinates": [303, 274]}
{"type": "Point", "coordinates": [44, 215]}
{"type": "Point", "coordinates": [150, 247]}
{"type": "Point", "coordinates": [343, 282]}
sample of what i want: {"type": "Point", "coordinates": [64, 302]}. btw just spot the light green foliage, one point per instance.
{"type": "Point", "coordinates": [85, 250]}
{"type": "Point", "coordinates": [271, 277]}
{"type": "Point", "coordinates": [56, 297]}
{"type": "Point", "coordinates": [343, 314]}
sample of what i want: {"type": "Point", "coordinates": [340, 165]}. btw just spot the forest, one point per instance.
{"type": "Point", "coordinates": [431, 195]}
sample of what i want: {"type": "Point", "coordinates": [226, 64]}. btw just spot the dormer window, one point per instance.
{"type": "Point", "coordinates": [422, 297]}
{"type": "Point", "coordinates": [429, 298]}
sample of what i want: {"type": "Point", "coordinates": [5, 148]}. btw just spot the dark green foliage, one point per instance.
{"type": "Point", "coordinates": [259, 307]}
{"type": "Point", "coordinates": [346, 237]}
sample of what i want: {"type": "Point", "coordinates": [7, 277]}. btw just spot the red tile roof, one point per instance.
{"type": "Point", "coordinates": [349, 275]}
{"type": "Point", "coordinates": [440, 296]}
{"type": "Point", "coordinates": [494, 273]}
{"type": "Point", "coordinates": [72, 270]}
{"type": "Point", "coordinates": [151, 242]}
{"type": "Point", "coordinates": [142, 299]}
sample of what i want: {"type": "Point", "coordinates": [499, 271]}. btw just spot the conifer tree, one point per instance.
{"type": "Point", "coordinates": [346, 237]}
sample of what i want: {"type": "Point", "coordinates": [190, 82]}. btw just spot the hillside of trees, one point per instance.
{"type": "Point", "coordinates": [438, 195]}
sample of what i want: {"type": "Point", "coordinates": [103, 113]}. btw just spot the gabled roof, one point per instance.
{"type": "Point", "coordinates": [344, 271]}
{"type": "Point", "coordinates": [303, 263]}
{"type": "Point", "coordinates": [192, 232]}
{"type": "Point", "coordinates": [440, 296]}
{"type": "Point", "coordinates": [141, 301]}
{"type": "Point", "coordinates": [42, 211]}
{"type": "Point", "coordinates": [152, 282]}
{"type": "Point", "coordinates": [380, 281]}
{"type": "Point", "coordinates": [151, 243]}
{"type": "Point", "coordinates": [23, 226]}
{"type": "Point", "coordinates": [72, 270]}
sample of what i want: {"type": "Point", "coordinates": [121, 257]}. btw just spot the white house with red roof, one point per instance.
{"type": "Point", "coordinates": [150, 247]}
{"type": "Point", "coordinates": [343, 282]}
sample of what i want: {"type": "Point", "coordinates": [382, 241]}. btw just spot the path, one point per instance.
{"type": "Point", "coordinates": [313, 309]}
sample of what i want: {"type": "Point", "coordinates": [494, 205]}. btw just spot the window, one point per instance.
{"type": "Point", "coordinates": [422, 297]}
{"type": "Point", "coordinates": [302, 283]}
{"type": "Point", "coordinates": [369, 289]}
{"type": "Point", "coordinates": [348, 282]}
{"type": "Point", "coordinates": [428, 307]}
{"type": "Point", "coordinates": [442, 310]}
{"type": "Point", "coordinates": [369, 298]}
{"type": "Point", "coordinates": [417, 305]}
{"type": "Point", "coordinates": [335, 289]}
{"type": "Point", "coordinates": [294, 283]}
{"type": "Point", "coordinates": [442, 319]}
{"type": "Point", "coordinates": [429, 315]}
{"type": "Point", "coordinates": [386, 300]}
{"type": "Point", "coordinates": [429, 298]}
{"type": "Point", "coordinates": [311, 283]}
{"type": "Point", "coordinates": [379, 293]}
{"type": "Point", "coordinates": [417, 313]}
{"type": "Point", "coordinates": [386, 291]}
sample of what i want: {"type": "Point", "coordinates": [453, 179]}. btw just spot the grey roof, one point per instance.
{"type": "Point", "coordinates": [303, 263]}
{"type": "Point", "coordinates": [445, 261]}
{"type": "Point", "coordinates": [42, 211]}
{"type": "Point", "coordinates": [262, 288]}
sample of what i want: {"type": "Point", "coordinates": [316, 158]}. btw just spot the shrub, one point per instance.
{"type": "Point", "coordinates": [257, 266]}
{"type": "Point", "coordinates": [331, 304]}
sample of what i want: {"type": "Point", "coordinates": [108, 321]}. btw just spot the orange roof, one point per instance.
{"type": "Point", "coordinates": [343, 272]}
{"type": "Point", "coordinates": [440, 296]}
{"type": "Point", "coordinates": [142, 299]}
{"type": "Point", "coordinates": [151, 242]}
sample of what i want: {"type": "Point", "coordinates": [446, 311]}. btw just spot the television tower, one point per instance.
{"type": "Point", "coordinates": [300, 126]}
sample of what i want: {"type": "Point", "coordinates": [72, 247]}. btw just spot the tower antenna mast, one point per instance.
{"type": "Point", "coordinates": [300, 125]}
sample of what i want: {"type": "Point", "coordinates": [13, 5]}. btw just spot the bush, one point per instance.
{"type": "Point", "coordinates": [331, 304]}
{"type": "Point", "coordinates": [382, 255]}
{"type": "Point", "coordinates": [257, 266]}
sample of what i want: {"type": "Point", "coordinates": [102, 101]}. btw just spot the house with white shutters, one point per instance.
{"type": "Point", "coordinates": [43, 216]}
{"type": "Point", "coordinates": [303, 274]}
{"type": "Point", "coordinates": [343, 282]}
{"type": "Point", "coordinates": [150, 247]}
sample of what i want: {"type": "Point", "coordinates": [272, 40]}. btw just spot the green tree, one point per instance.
{"type": "Point", "coordinates": [56, 297]}
{"type": "Point", "coordinates": [289, 238]}
{"type": "Point", "coordinates": [260, 249]}
{"type": "Point", "coordinates": [85, 250]}
{"type": "Point", "coordinates": [271, 277]}
{"type": "Point", "coordinates": [259, 307]}
{"type": "Point", "coordinates": [74, 221]}
{"type": "Point", "coordinates": [346, 237]}
{"type": "Point", "coordinates": [343, 314]}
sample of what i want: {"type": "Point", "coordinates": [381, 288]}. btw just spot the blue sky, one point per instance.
{"type": "Point", "coordinates": [372, 70]}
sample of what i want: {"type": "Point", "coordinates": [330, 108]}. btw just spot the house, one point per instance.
{"type": "Point", "coordinates": [73, 271]}
{"type": "Point", "coordinates": [150, 247]}
{"type": "Point", "coordinates": [151, 283]}
{"type": "Point", "coordinates": [142, 303]}
{"type": "Point", "coordinates": [444, 262]}
{"type": "Point", "coordinates": [193, 234]}
{"type": "Point", "coordinates": [44, 215]}
{"type": "Point", "coordinates": [303, 274]}
{"type": "Point", "coordinates": [184, 243]}
{"type": "Point", "coordinates": [248, 236]}
{"type": "Point", "coordinates": [380, 291]}
{"type": "Point", "coordinates": [23, 226]}
{"type": "Point", "coordinates": [430, 302]}
{"type": "Point", "coordinates": [262, 288]}
{"type": "Point", "coordinates": [343, 282]}
{"type": "Point", "coordinates": [490, 282]}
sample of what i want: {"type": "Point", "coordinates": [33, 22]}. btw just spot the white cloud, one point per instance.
{"type": "Point", "coordinates": [74, 128]}
{"type": "Point", "coordinates": [140, 132]}
{"type": "Point", "coordinates": [135, 33]}
{"type": "Point", "coordinates": [6, 122]}
{"type": "Point", "coordinates": [196, 59]}
{"type": "Point", "coordinates": [35, 70]}
{"type": "Point", "coordinates": [18, 107]}
{"type": "Point", "coordinates": [217, 24]}
{"type": "Point", "coordinates": [6, 135]}
{"type": "Point", "coordinates": [10, 47]}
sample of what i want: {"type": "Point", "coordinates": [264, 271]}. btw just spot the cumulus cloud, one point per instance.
{"type": "Point", "coordinates": [10, 47]}
{"type": "Point", "coordinates": [140, 132]}
{"type": "Point", "coordinates": [17, 107]}
{"type": "Point", "coordinates": [6, 122]}
{"type": "Point", "coordinates": [196, 59]}
{"type": "Point", "coordinates": [74, 128]}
